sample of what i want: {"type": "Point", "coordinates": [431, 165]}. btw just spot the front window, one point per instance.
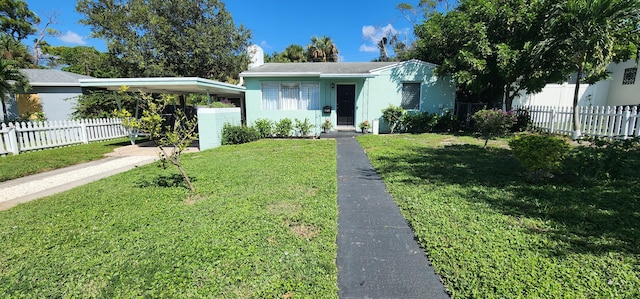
{"type": "Point", "coordinates": [290, 96]}
{"type": "Point", "coordinates": [411, 96]}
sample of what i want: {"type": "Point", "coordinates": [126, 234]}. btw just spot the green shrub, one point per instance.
{"type": "Point", "coordinates": [419, 122]}
{"type": "Point", "coordinates": [392, 115]}
{"type": "Point", "coordinates": [491, 123]}
{"type": "Point", "coordinates": [447, 122]}
{"type": "Point", "coordinates": [283, 128]}
{"type": "Point", "coordinates": [238, 134]}
{"type": "Point", "coordinates": [603, 159]}
{"type": "Point", "coordinates": [303, 128]}
{"type": "Point", "coordinates": [264, 127]}
{"type": "Point", "coordinates": [522, 121]}
{"type": "Point", "coordinates": [540, 154]}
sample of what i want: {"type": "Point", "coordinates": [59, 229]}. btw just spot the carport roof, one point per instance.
{"type": "Point", "coordinates": [170, 85]}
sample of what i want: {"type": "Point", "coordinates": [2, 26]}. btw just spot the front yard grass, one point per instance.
{"type": "Point", "coordinates": [492, 233]}
{"type": "Point", "coordinates": [263, 224]}
{"type": "Point", "coordinates": [27, 163]}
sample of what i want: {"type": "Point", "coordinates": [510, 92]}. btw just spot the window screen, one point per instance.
{"type": "Point", "coordinates": [411, 96]}
{"type": "Point", "coordinates": [629, 76]}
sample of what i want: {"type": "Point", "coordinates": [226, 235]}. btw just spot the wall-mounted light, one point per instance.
{"type": "Point", "coordinates": [333, 85]}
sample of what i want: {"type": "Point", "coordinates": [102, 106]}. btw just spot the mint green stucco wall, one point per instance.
{"type": "Point", "coordinates": [372, 94]}
{"type": "Point", "coordinates": [210, 123]}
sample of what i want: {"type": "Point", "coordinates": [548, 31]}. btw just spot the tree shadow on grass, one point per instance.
{"type": "Point", "coordinates": [587, 216]}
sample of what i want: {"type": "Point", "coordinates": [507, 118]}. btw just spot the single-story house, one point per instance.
{"type": "Point", "coordinates": [620, 89]}
{"type": "Point", "coordinates": [346, 93]}
{"type": "Point", "coordinates": [52, 92]}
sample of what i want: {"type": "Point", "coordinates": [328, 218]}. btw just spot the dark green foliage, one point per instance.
{"type": "Point", "coordinates": [418, 122]}
{"type": "Point", "coordinates": [522, 121]}
{"type": "Point", "coordinates": [283, 128]}
{"type": "Point", "coordinates": [264, 127]}
{"type": "Point", "coordinates": [303, 128]}
{"type": "Point", "coordinates": [238, 134]}
{"type": "Point", "coordinates": [604, 159]}
{"type": "Point", "coordinates": [392, 115]}
{"type": "Point", "coordinates": [447, 122]}
{"type": "Point", "coordinates": [540, 154]}
{"type": "Point", "coordinates": [168, 181]}
{"type": "Point", "coordinates": [81, 60]}
{"type": "Point", "coordinates": [16, 20]}
{"type": "Point", "coordinates": [493, 123]}
{"type": "Point", "coordinates": [155, 38]}
{"type": "Point", "coordinates": [102, 103]}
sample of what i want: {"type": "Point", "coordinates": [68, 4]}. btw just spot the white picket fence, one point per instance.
{"type": "Point", "coordinates": [602, 121]}
{"type": "Point", "coordinates": [28, 136]}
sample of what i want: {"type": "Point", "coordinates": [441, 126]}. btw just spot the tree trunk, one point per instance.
{"type": "Point", "coordinates": [576, 114]}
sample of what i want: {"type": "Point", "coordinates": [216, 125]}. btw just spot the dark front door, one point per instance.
{"type": "Point", "coordinates": [346, 102]}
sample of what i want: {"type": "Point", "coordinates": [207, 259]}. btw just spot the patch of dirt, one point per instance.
{"type": "Point", "coordinates": [286, 208]}
{"type": "Point", "coordinates": [194, 199]}
{"type": "Point", "coordinates": [307, 232]}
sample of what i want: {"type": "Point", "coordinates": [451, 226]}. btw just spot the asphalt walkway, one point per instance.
{"type": "Point", "coordinates": [378, 256]}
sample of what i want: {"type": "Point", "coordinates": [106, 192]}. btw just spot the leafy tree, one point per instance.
{"type": "Point", "coordinates": [81, 60]}
{"type": "Point", "coordinates": [322, 49]}
{"type": "Point", "coordinates": [171, 140]}
{"type": "Point", "coordinates": [591, 34]}
{"type": "Point", "coordinates": [169, 38]}
{"type": "Point", "coordinates": [10, 80]}
{"type": "Point", "coordinates": [16, 20]}
{"type": "Point", "coordinates": [293, 53]}
{"type": "Point", "coordinates": [491, 123]}
{"type": "Point", "coordinates": [489, 47]}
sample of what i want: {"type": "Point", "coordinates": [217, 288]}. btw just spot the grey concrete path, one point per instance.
{"type": "Point", "coordinates": [377, 254]}
{"type": "Point", "coordinates": [35, 186]}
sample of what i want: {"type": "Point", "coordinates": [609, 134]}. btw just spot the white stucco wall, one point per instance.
{"type": "Point", "coordinates": [622, 94]}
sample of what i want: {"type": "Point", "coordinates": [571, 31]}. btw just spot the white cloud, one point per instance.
{"type": "Point", "coordinates": [264, 44]}
{"type": "Point", "coordinates": [72, 38]}
{"type": "Point", "coordinates": [368, 48]}
{"type": "Point", "coordinates": [373, 34]}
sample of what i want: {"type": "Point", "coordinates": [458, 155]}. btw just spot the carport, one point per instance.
{"type": "Point", "coordinates": [173, 85]}
{"type": "Point", "coordinates": [210, 121]}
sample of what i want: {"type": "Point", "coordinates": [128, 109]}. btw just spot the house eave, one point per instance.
{"type": "Point", "coordinates": [280, 74]}
{"type": "Point", "coordinates": [347, 76]}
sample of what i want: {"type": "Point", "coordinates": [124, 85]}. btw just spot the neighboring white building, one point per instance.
{"type": "Point", "coordinates": [621, 89]}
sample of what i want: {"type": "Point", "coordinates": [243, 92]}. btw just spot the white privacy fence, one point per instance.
{"type": "Point", "coordinates": [601, 121]}
{"type": "Point", "coordinates": [27, 136]}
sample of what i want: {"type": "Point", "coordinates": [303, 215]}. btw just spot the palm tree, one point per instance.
{"type": "Point", "coordinates": [14, 50]}
{"type": "Point", "coordinates": [592, 34]}
{"type": "Point", "coordinates": [322, 49]}
{"type": "Point", "coordinates": [10, 80]}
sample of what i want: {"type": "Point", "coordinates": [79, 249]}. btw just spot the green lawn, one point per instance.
{"type": "Point", "coordinates": [262, 225]}
{"type": "Point", "coordinates": [491, 233]}
{"type": "Point", "coordinates": [27, 163]}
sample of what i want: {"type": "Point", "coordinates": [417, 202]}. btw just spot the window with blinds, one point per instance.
{"type": "Point", "coordinates": [410, 96]}
{"type": "Point", "coordinates": [290, 96]}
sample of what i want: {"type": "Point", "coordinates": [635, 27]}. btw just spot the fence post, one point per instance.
{"type": "Point", "coordinates": [625, 122]}
{"type": "Point", "coordinates": [84, 135]}
{"type": "Point", "coordinates": [13, 140]}
{"type": "Point", "coordinates": [552, 120]}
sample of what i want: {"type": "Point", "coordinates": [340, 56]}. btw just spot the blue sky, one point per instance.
{"type": "Point", "coordinates": [354, 25]}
